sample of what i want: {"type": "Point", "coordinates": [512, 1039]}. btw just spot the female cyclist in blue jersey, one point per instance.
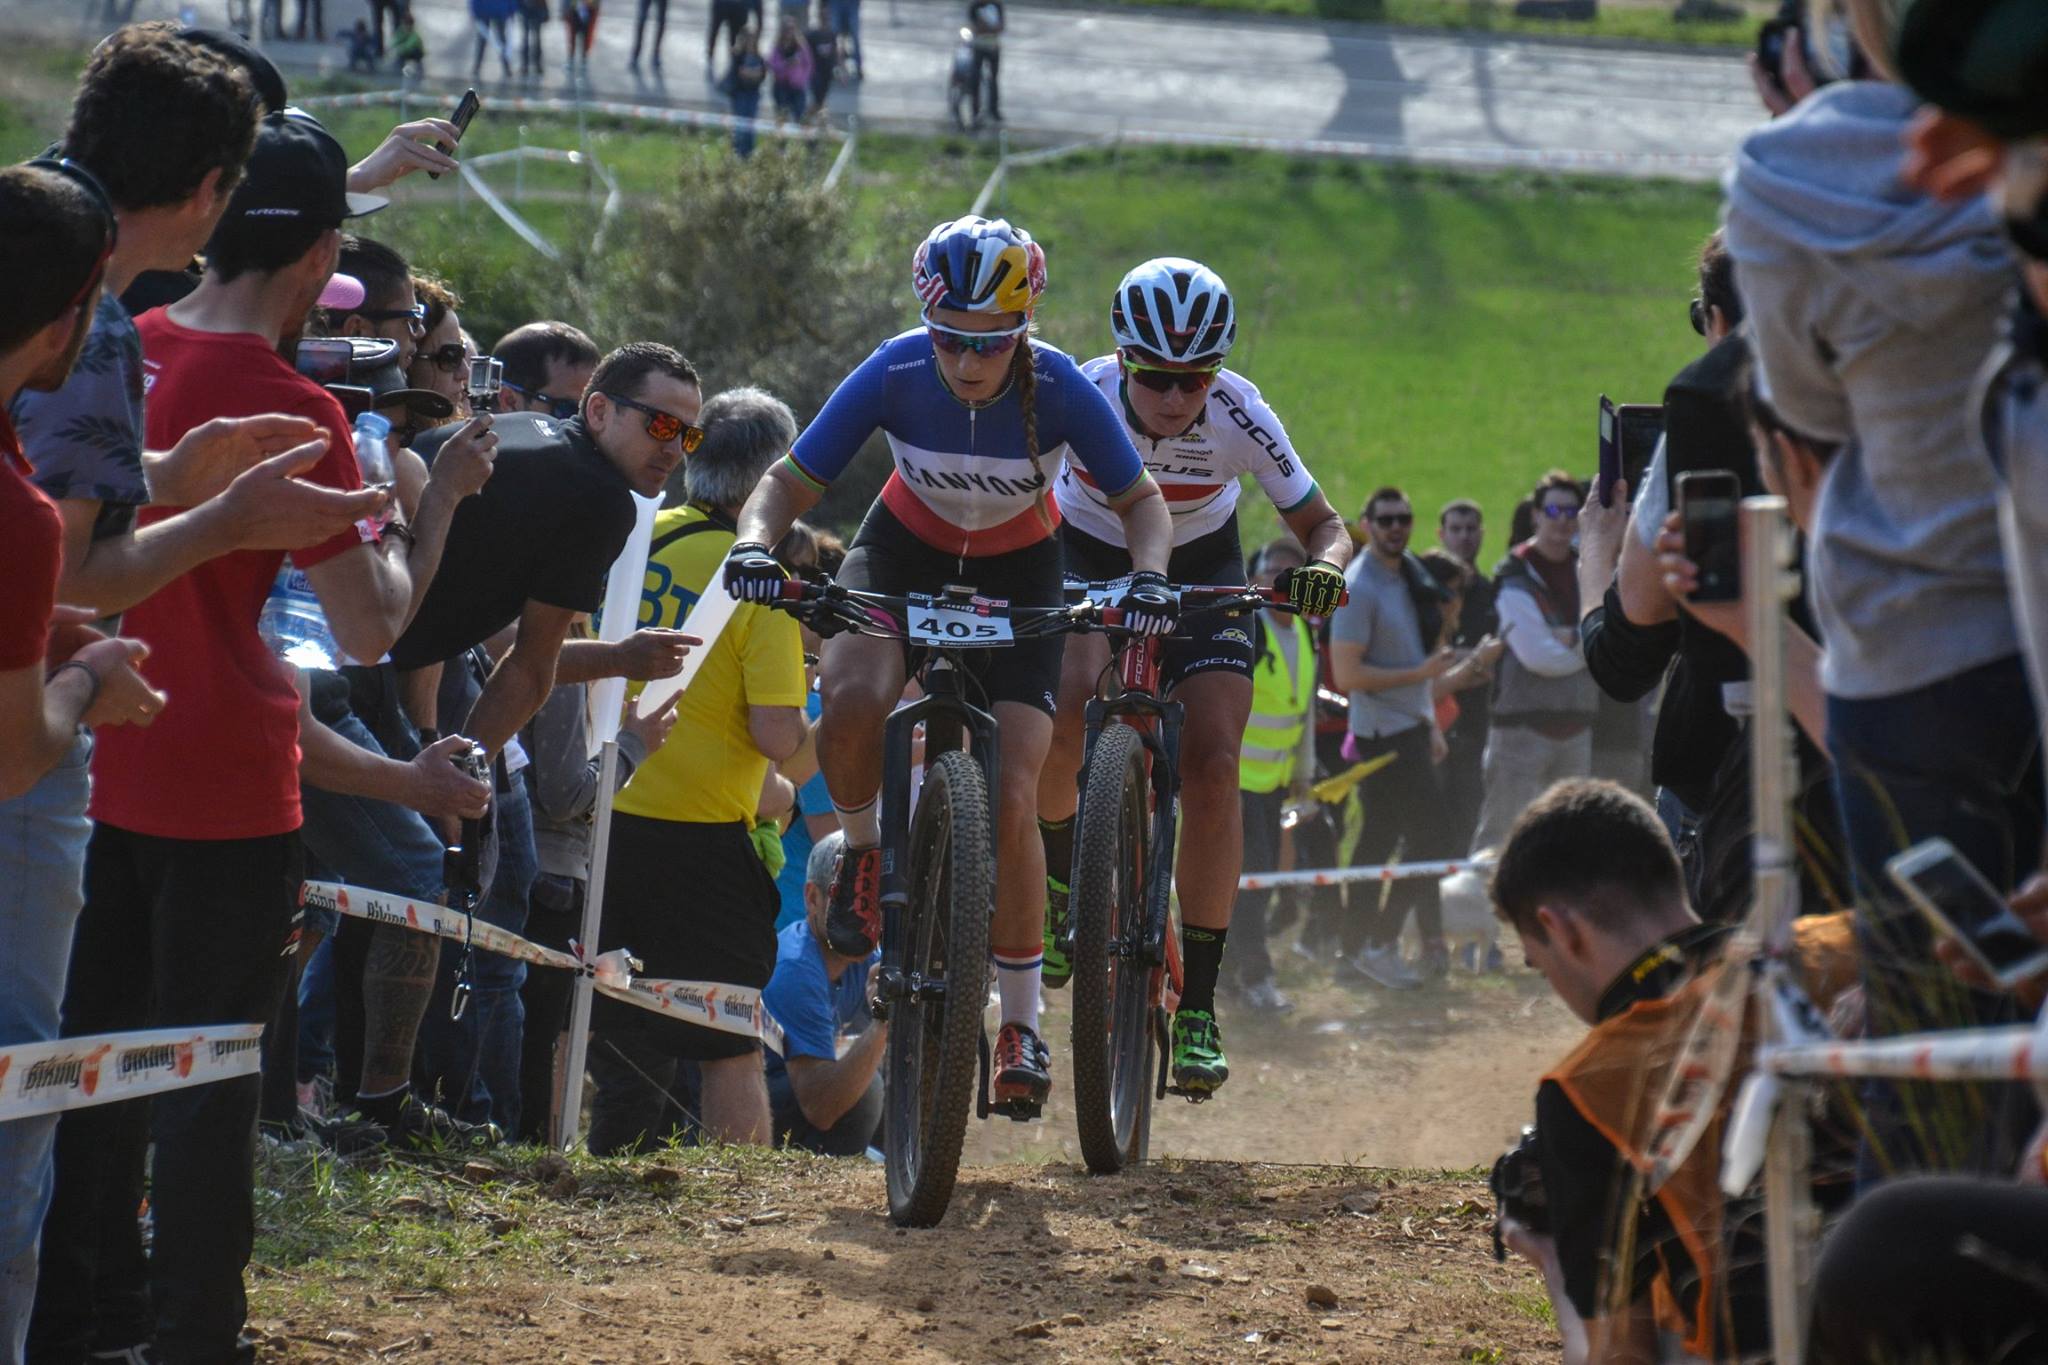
{"type": "Point", "coordinates": [1198, 427]}
{"type": "Point", "coordinates": [977, 414]}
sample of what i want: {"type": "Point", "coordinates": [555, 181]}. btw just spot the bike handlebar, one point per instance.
{"type": "Point", "coordinates": [883, 615]}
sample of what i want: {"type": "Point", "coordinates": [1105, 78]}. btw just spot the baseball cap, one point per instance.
{"type": "Point", "coordinates": [298, 173]}
{"type": "Point", "coordinates": [1985, 60]}
{"type": "Point", "coordinates": [343, 292]}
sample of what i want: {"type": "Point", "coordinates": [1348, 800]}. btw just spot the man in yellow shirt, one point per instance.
{"type": "Point", "coordinates": [685, 890]}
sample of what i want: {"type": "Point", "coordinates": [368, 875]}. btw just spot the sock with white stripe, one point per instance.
{"type": "Point", "coordinates": [1017, 983]}
{"type": "Point", "coordinates": [862, 823]}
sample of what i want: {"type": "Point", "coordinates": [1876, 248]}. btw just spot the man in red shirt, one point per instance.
{"type": "Point", "coordinates": [194, 867]}
{"type": "Point", "coordinates": [56, 676]}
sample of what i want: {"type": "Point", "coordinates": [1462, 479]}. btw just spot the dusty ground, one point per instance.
{"type": "Point", "coordinates": [699, 1256]}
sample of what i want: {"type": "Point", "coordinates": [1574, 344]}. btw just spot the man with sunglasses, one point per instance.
{"type": "Point", "coordinates": [391, 307]}
{"type": "Point", "coordinates": [1544, 707]}
{"type": "Point", "coordinates": [1199, 428]}
{"type": "Point", "coordinates": [531, 551]}
{"type": "Point", "coordinates": [547, 368]}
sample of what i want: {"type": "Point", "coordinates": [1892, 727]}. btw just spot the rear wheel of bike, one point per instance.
{"type": "Point", "coordinates": [1112, 987]}
{"type": "Point", "coordinates": [935, 1036]}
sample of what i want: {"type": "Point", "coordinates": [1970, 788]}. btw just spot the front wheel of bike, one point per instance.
{"type": "Point", "coordinates": [1113, 987]}
{"type": "Point", "coordinates": [935, 1027]}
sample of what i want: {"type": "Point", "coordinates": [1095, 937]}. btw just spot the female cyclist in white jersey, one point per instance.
{"type": "Point", "coordinates": [969, 403]}
{"type": "Point", "coordinates": [1198, 427]}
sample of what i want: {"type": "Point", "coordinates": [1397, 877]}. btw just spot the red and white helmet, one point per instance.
{"type": "Point", "coordinates": [1176, 310]}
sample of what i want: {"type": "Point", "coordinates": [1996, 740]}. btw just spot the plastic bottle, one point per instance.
{"type": "Point", "coordinates": [293, 625]}
{"type": "Point", "coordinates": [373, 458]}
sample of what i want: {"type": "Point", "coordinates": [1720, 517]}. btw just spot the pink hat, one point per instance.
{"type": "Point", "coordinates": [343, 291]}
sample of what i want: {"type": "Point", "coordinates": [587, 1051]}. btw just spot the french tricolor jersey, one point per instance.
{"type": "Point", "coordinates": [963, 481]}
{"type": "Point", "coordinates": [1234, 434]}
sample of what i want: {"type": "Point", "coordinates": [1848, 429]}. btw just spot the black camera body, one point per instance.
{"type": "Point", "coordinates": [1517, 1184]}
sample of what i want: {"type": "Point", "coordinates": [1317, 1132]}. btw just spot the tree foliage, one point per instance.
{"type": "Point", "coordinates": [756, 273]}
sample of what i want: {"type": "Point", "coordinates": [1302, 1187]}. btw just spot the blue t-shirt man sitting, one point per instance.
{"type": "Point", "coordinates": [823, 1101]}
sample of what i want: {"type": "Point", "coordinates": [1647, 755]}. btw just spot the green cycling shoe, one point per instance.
{"type": "Point", "coordinates": [1199, 1067]}
{"type": "Point", "coordinates": [1059, 968]}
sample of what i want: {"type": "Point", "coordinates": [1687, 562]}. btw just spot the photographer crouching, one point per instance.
{"type": "Point", "coordinates": [1591, 884]}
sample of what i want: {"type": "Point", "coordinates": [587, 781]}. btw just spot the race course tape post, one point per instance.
{"type": "Point", "coordinates": [728, 1008]}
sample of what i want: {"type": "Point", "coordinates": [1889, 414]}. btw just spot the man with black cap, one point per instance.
{"type": "Point", "coordinates": [194, 865]}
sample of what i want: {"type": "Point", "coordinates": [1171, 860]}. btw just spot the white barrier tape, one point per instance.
{"type": "Point", "coordinates": [104, 1068]}
{"type": "Point", "coordinates": [711, 1004]}
{"type": "Point", "coordinates": [1379, 872]}
{"type": "Point", "coordinates": [525, 104]}
{"type": "Point", "coordinates": [2011, 1053]}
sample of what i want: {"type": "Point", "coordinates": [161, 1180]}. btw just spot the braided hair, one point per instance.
{"type": "Point", "coordinates": [1026, 376]}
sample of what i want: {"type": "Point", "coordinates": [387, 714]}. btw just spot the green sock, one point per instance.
{"type": "Point", "coordinates": [1201, 957]}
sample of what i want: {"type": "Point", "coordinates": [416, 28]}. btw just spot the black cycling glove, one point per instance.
{"type": "Point", "coordinates": [752, 574]}
{"type": "Point", "coordinates": [1149, 605]}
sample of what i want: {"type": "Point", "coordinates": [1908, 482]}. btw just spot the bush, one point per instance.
{"type": "Point", "coordinates": [758, 275]}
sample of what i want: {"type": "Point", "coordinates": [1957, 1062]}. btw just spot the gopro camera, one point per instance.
{"type": "Point", "coordinates": [486, 379]}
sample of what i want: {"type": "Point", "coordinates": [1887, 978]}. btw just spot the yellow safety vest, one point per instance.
{"type": "Point", "coordinates": [1279, 710]}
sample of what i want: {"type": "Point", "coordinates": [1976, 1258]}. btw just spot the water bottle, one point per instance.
{"type": "Point", "coordinates": [293, 625]}
{"type": "Point", "coordinates": [373, 458]}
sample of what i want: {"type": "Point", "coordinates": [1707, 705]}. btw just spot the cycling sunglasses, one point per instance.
{"type": "Point", "coordinates": [448, 359]}
{"type": "Point", "coordinates": [561, 409]}
{"type": "Point", "coordinates": [664, 426]}
{"type": "Point", "coordinates": [1159, 379]}
{"type": "Point", "coordinates": [87, 181]}
{"type": "Point", "coordinates": [953, 341]}
{"type": "Point", "coordinates": [415, 316]}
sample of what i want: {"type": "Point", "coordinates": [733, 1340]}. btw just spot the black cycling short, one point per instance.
{"type": "Point", "coordinates": [1217, 643]}
{"type": "Point", "coordinates": [692, 902]}
{"type": "Point", "coordinates": [887, 558]}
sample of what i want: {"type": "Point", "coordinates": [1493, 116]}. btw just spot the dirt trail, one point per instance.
{"type": "Point", "coordinates": [702, 1256]}
{"type": "Point", "coordinates": [1195, 1262]}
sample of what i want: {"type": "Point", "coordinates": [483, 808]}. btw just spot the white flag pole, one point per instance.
{"type": "Point", "coordinates": [608, 703]}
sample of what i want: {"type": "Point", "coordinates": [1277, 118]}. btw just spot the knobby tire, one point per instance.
{"type": "Point", "coordinates": [1113, 1048]}
{"type": "Point", "coordinates": [934, 1045]}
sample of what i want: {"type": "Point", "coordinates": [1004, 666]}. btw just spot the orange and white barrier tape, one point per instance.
{"type": "Point", "coordinates": [1374, 872]}
{"type": "Point", "coordinates": [2015, 1052]}
{"type": "Point", "coordinates": [708, 1004]}
{"type": "Point", "coordinates": [103, 1068]}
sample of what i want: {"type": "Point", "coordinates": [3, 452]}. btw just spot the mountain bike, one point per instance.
{"type": "Point", "coordinates": [1120, 939]}
{"type": "Point", "coordinates": [938, 873]}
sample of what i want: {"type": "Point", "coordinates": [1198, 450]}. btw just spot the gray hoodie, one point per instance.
{"type": "Point", "coordinates": [1873, 307]}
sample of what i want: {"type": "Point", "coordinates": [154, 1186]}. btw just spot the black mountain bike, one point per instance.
{"type": "Point", "coordinates": [1127, 972]}
{"type": "Point", "coordinates": [938, 873]}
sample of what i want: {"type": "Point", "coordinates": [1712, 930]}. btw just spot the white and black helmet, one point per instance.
{"type": "Point", "coordinates": [1176, 310]}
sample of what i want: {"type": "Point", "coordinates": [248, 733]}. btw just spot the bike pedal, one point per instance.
{"type": "Point", "coordinates": [1019, 1111]}
{"type": "Point", "coordinates": [1191, 1096]}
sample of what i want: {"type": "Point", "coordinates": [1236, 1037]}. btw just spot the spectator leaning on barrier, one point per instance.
{"type": "Point", "coordinates": [1873, 308]}
{"type": "Point", "coordinates": [194, 869]}
{"type": "Point", "coordinates": [1590, 883]}
{"type": "Point", "coordinates": [547, 368]}
{"type": "Point", "coordinates": [562, 783]}
{"type": "Point", "coordinates": [692, 807]}
{"type": "Point", "coordinates": [1381, 651]}
{"type": "Point", "coordinates": [1275, 767]}
{"type": "Point", "coordinates": [1543, 710]}
{"type": "Point", "coordinates": [57, 677]}
{"type": "Point", "coordinates": [531, 552]}
{"type": "Point", "coordinates": [822, 1098]}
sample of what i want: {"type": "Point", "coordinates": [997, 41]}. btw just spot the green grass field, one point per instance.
{"type": "Point", "coordinates": [1447, 332]}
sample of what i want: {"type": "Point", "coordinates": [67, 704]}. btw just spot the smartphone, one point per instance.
{"type": "Point", "coordinates": [1708, 500]}
{"type": "Point", "coordinates": [324, 360]}
{"type": "Point", "coordinates": [465, 110]}
{"type": "Point", "coordinates": [1638, 426]}
{"type": "Point", "coordinates": [355, 400]}
{"type": "Point", "coordinates": [1954, 895]}
{"type": "Point", "coordinates": [1610, 451]}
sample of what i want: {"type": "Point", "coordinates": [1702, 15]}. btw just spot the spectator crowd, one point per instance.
{"type": "Point", "coordinates": [301, 581]}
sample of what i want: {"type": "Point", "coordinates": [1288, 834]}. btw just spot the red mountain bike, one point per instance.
{"type": "Point", "coordinates": [1127, 973]}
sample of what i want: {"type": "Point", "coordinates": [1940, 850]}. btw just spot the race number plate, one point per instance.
{"type": "Point", "coordinates": [979, 622]}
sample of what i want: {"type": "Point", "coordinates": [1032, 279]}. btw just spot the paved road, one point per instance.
{"type": "Point", "coordinates": [1076, 72]}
